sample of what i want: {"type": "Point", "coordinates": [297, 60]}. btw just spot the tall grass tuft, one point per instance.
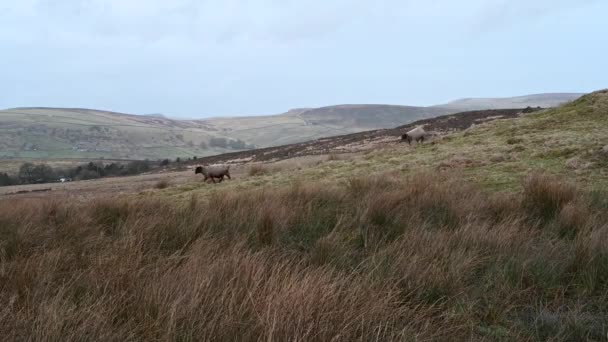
{"type": "Point", "coordinates": [544, 196]}
{"type": "Point", "coordinates": [258, 170]}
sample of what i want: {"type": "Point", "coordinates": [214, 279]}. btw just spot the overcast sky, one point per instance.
{"type": "Point", "coordinates": [201, 58]}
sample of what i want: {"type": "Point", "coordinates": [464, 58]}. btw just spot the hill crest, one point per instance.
{"type": "Point", "coordinates": [66, 133]}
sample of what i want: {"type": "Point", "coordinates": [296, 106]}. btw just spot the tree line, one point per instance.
{"type": "Point", "coordinates": [30, 173]}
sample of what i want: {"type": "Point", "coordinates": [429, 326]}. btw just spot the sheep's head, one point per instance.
{"type": "Point", "coordinates": [199, 169]}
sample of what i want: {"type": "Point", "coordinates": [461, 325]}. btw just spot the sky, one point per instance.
{"type": "Point", "coordinates": [201, 58]}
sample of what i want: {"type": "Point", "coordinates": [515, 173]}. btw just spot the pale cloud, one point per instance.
{"type": "Point", "coordinates": [237, 21]}
{"type": "Point", "coordinates": [494, 14]}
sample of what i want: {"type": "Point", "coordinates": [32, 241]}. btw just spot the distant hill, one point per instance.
{"type": "Point", "coordinates": [156, 115]}
{"type": "Point", "coordinates": [362, 141]}
{"type": "Point", "coordinates": [543, 100]}
{"type": "Point", "coordinates": [66, 133]}
{"type": "Point", "coordinates": [301, 125]}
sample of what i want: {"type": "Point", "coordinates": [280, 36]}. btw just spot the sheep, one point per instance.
{"type": "Point", "coordinates": [213, 171]}
{"type": "Point", "coordinates": [417, 134]}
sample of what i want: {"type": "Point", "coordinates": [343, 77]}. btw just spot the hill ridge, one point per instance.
{"type": "Point", "coordinates": [55, 133]}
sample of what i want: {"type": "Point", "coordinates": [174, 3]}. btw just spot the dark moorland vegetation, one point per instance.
{"type": "Point", "coordinates": [391, 257]}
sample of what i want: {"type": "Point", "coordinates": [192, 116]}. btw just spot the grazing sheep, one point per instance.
{"type": "Point", "coordinates": [213, 171]}
{"type": "Point", "coordinates": [417, 134]}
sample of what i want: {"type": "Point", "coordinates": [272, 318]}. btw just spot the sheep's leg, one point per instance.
{"type": "Point", "coordinates": [213, 179]}
{"type": "Point", "coordinates": [221, 178]}
{"type": "Point", "coordinates": [228, 175]}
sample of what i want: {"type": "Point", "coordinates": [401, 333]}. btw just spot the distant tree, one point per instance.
{"type": "Point", "coordinates": [113, 169]}
{"type": "Point", "coordinates": [137, 166]}
{"type": "Point", "coordinates": [62, 172]}
{"type": "Point", "coordinates": [88, 174]}
{"type": "Point", "coordinates": [42, 173]}
{"type": "Point", "coordinates": [5, 179]}
{"type": "Point", "coordinates": [96, 167]}
{"type": "Point", "coordinates": [26, 173]}
{"type": "Point", "coordinates": [178, 160]}
{"type": "Point", "coordinates": [165, 162]}
{"type": "Point", "coordinates": [218, 142]}
{"type": "Point", "coordinates": [194, 158]}
{"type": "Point", "coordinates": [237, 144]}
{"type": "Point", "coordinates": [77, 171]}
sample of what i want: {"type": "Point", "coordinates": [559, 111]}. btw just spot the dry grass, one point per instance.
{"type": "Point", "coordinates": [376, 258]}
{"type": "Point", "coordinates": [333, 156]}
{"type": "Point", "coordinates": [546, 196]}
{"type": "Point", "coordinates": [162, 184]}
{"type": "Point", "coordinates": [258, 170]}
{"type": "Point", "coordinates": [264, 169]}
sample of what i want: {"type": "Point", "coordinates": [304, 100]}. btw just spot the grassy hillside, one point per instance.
{"type": "Point", "coordinates": [495, 233]}
{"type": "Point", "coordinates": [366, 117]}
{"type": "Point", "coordinates": [44, 133]}
{"type": "Point", "coordinates": [308, 124]}
{"type": "Point", "coordinates": [567, 141]}
{"type": "Point", "coordinates": [55, 133]}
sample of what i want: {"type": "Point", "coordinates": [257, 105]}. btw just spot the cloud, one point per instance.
{"type": "Point", "coordinates": [201, 21]}
{"type": "Point", "coordinates": [211, 22]}
{"type": "Point", "coordinates": [499, 14]}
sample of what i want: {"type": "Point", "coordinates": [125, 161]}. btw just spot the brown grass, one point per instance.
{"type": "Point", "coordinates": [376, 258]}
{"type": "Point", "coordinates": [333, 156]}
{"type": "Point", "coordinates": [162, 184]}
{"type": "Point", "coordinates": [545, 196]}
{"type": "Point", "coordinates": [258, 170]}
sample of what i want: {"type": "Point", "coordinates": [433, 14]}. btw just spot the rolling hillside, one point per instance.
{"type": "Point", "coordinates": [308, 124]}
{"type": "Point", "coordinates": [68, 133]}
